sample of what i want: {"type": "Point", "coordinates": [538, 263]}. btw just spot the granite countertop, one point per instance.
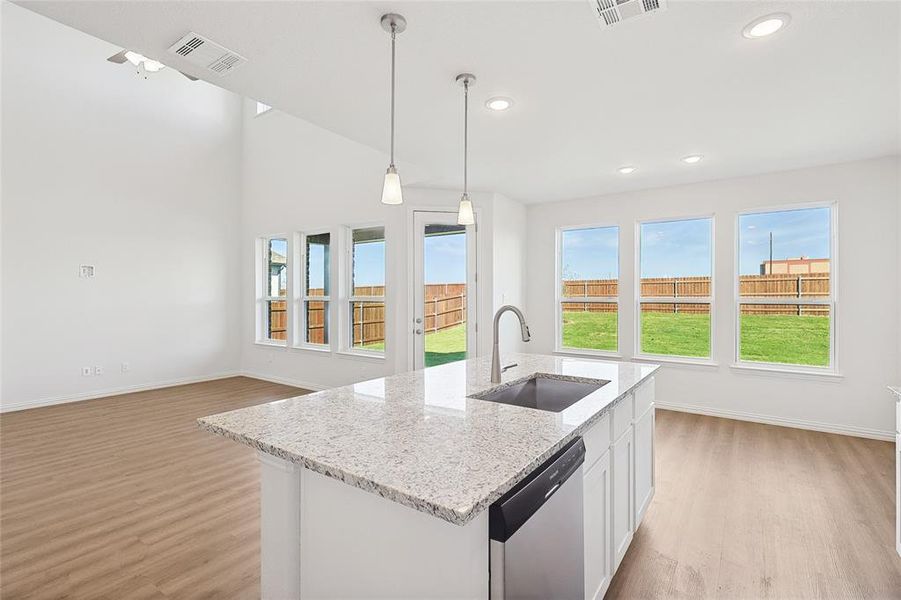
{"type": "Point", "coordinates": [417, 438]}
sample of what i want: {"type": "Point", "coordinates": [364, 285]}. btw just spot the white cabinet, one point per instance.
{"type": "Point", "coordinates": [618, 484]}
{"type": "Point", "coordinates": [597, 528]}
{"type": "Point", "coordinates": [622, 457]}
{"type": "Point", "coordinates": [644, 463]}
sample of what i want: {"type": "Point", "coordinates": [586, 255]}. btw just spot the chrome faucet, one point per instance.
{"type": "Point", "coordinates": [495, 352]}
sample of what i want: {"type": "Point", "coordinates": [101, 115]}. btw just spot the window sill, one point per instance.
{"type": "Point", "coordinates": [676, 360]}
{"type": "Point", "coordinates": [271, 344]}
{"type": "Point", "coordinates": [362, 354]}
{"type": "Point", "coordinates": [317, 349]}
{"type": "Point", "coordinates": [787, 371]}
{"type": "Point", "coordinates": [588, 353]}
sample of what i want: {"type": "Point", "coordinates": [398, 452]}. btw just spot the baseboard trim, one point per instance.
{"type": "Point", "coordinates": [118, 391]}
{"type": "Point", "coordinates": [315, 387]}
{"type": "Point", "coordinates": [874, 434]}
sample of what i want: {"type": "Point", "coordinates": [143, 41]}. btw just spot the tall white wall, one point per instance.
{"type": "Point", "coordinates": [139, 178]}
{"type": "Point", "coordinates": [867, 194]}
{"type": "Point", "coordinates": [509, 271]}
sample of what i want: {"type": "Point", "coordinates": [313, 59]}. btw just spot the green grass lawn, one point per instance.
{"type": "Point", "coordinates": [594, 331]}
{"type": "Point", "coordinates": [785, 339]}
{"type": "Point", "coordinates": [680, 334]}
{"type": "Point", "coordinates": [764, 338]}
{"type": "Point", "coordinates": [447, 345]}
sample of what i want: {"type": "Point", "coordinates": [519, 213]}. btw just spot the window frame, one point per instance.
{"type": "Point", "coordinates": [263, 298]}
{"type": "Point", "coordinates": [347, 296]}
{"type": "Point", "coordinates": [831, 301]}
{"type": "Point", "coordinates": [559, 299]}
{"type": "Point", "coordinates": [301, 297]}
{"type": "Point", "coordinates": [709, 300]}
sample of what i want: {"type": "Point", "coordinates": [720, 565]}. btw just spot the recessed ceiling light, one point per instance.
{"type": "Point", "coordinates": [692, 159]}
{"type": "Point", "coordinates": [766, 25]}
{"type": "Point", "coordinates": [627, 169]}
{"type": "Point", "coordinates": [499, 103]}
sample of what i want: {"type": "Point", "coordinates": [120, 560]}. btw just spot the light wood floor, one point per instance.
{"type": "Point", "coordinates": [124, 498]}
{"type": "Point", "coordinates": [744, 510]}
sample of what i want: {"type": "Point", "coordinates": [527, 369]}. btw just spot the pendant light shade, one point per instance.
{"type": "Point", "coordinates": [391, 192]}
{"type": "Point", "coordinates": [391, 189]}
{"type": "Point", "coordinates": [465, 214]}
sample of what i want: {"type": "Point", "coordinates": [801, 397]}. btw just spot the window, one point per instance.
{"type": "Point", "coordinates": [314, 297]}
{"type": "Point", "coordinates": [675, 292]}
{"type": "Point", "coordinates": [273, 295]}
{"type": "Point", "coordinates": [261, 108]}
{"type": "Point", "coordinates": [366, 302]}
{"type": "Point", "coordinates": [785, 290]}
{"type": "Point", "coordinates": [588, 300]}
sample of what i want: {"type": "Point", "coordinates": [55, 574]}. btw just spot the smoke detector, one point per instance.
{"type": "Point", "coordinates": [207, 54]}
{"type": "Point", "coordinates": [613, 12]}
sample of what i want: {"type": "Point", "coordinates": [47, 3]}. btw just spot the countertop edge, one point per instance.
{"type": "Point", "coordinates": [451, 515]}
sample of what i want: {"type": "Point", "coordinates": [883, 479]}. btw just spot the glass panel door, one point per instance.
{"type": "Point", "coordinates": [444, 304]}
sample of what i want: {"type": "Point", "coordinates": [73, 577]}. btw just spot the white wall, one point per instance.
{"type": "Point", "coordinates": [867, 194]}
{"type": "Point", "coordinates": [297, 177]}
{"type": "Point", "coordinates": [509, 269]}
{"type": "Point", "coordinates": [139, 178]}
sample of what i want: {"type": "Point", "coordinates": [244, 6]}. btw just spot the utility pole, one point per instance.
{"type": "Point", "coordinates": [771, 254]}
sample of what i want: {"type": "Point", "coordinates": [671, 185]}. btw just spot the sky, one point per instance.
{"type": "Point", "coordinates": [668, 249]}
{"type": "Point", "coordinates": [445, 258]}
{"type": "Point", "coordinates": [803, 232]}
{"type": "Point", "coordinates": [683, 248]}
{"type": "Point", "coordinates": [369, 263]}
{"type": "Point", "coordinates": [591, 253]}
{"type": "Point", "coordinates": [676, 248]}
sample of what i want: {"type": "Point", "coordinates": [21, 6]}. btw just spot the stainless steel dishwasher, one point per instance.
{"type": "Point", "coordinates": [536, 544]}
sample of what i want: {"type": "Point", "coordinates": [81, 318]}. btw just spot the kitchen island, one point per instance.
{"type": "Point", "coordinates": [381, 488]}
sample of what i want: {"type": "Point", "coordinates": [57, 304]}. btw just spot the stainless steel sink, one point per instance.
{"type": "Point", "coordinates": [544, 392]}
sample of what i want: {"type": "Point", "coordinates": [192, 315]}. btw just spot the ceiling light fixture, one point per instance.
{"type": "Point", "coordinates": [142, 64]}
{"type": "Point", "coordinates": [766, 25]}
{"type": "Point", "coordinates": [627, 170]}
{"type": "Point", "coordinates": [499, 103]}
{"type": "Point", "coordinates": [692, 159]}
{"type": "Point", "coordinates": [391, 190]}
{"type": "Point", "coordinates": [465, 215]}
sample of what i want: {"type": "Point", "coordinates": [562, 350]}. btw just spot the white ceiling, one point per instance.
{"type": "Point", "coordinates": [826, 89]}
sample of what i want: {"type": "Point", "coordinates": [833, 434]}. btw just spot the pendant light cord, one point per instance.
{"type": "Point", "coordinates": [393, 35]}
{"type": "Point", "coordinates": [465, 136]}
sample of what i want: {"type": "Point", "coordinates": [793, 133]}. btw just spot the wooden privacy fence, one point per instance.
{"type": "Point", "coordinates": [444, 307]}
{"type": "Point", "coordinates": [781, 286]}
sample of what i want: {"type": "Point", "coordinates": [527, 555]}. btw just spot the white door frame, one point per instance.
{"type": "Point", "coordinates": [418, 219]}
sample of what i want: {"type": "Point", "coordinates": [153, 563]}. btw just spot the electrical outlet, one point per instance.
{"type": "Point", "coordinates": [86, 371]}
{"type": "Point", "coordinates": [98, 370]}
{"type": "Point", "coordinates": [126, 367]}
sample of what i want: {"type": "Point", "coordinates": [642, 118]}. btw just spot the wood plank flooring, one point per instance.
{"type": "Point", "coordinates": [124, 497]}
{"type": "Point", "coordinates": [744, 510]}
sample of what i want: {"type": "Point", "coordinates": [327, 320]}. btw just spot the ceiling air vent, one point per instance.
{"type": "Point", "coordinates": [611, 12]}
{"type": "Point", "coordinates": [209, 55]}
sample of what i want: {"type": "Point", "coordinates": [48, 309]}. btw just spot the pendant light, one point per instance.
{"type": "Point", "coordinates": [465, 215]}
{"type": "Point", "coordinates": [391, 190]}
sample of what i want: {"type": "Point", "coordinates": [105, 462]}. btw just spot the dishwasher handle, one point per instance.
{"type": "Point", "coordinates": [514, 508]}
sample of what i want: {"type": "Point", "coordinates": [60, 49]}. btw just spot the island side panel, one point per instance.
{"type": "Point", "coordinates": [356, 544]}
{"type": "Point", "coordinates": [280, 498]}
